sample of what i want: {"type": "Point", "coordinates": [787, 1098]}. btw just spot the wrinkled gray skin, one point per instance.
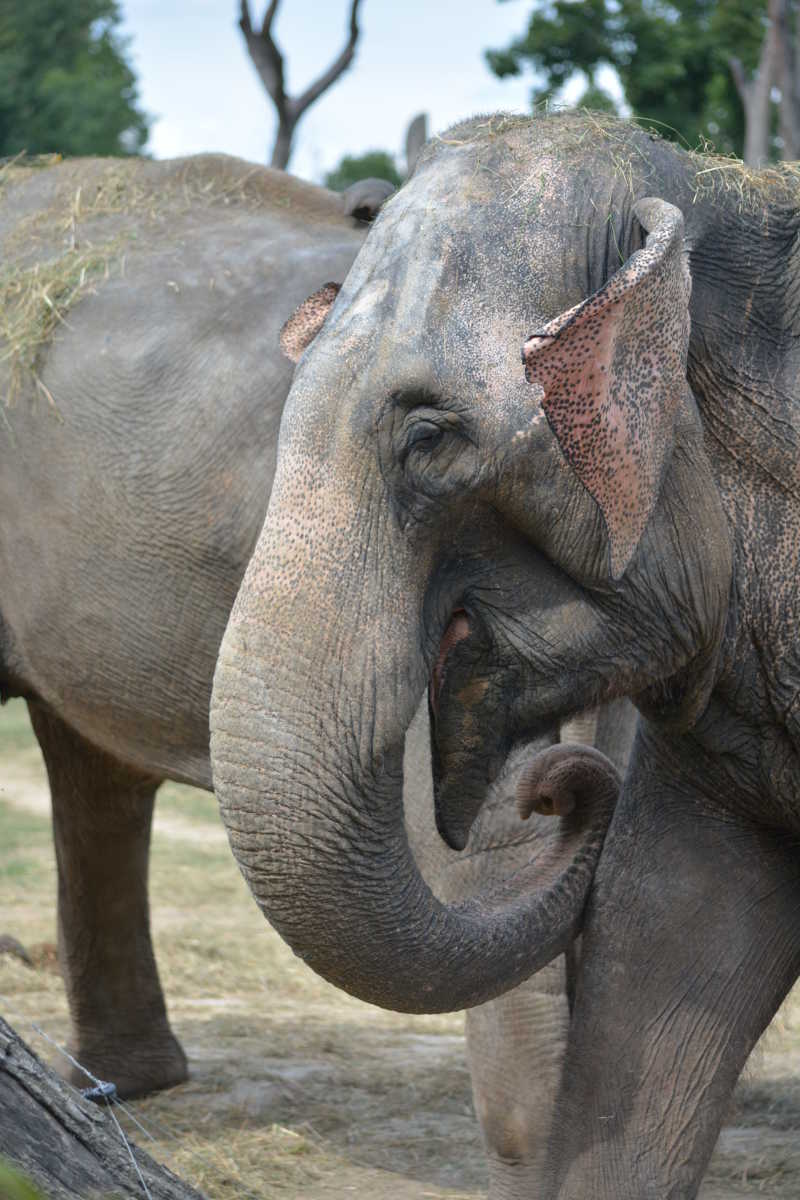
{"type": "Point", "coordinates": [516, 1043]}
{"type": "Point", "coordinates": [128, 512]}
{"type": "Point", "coordinates": [619, 518]}
{"type": "Point", "coordinates": [127, 516]}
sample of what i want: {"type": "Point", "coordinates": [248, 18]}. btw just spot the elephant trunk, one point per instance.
{"type": "Point", "coordinates": [325, 852]}
{"type": "Point", "coordinates": [320, 672]}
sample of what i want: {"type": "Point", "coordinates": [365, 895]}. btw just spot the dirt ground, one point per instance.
{"type": "Point", "coordinates": [297, 1089]}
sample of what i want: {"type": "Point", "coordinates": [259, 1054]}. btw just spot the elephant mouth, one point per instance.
{"type": "Point", "coordinates": [462, 759]}
{"type": "Point", "coordinates": [457, 629]}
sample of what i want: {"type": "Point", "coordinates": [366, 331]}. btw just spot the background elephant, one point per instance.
{"type": "Point", "coordinates": [616, 514]}
{"type": "Point", "coordinates": [142, 303]}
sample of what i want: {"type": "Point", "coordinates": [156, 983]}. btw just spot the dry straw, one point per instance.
{"type": "Point", "coordinates": [711, 175]}
{"type": "Point", "coordinates": [80, 218]}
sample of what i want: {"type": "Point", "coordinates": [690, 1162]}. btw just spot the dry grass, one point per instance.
{"type": "Point", "coordinates": [298, 1090]}
{"type": "Point", "coordinates": [713, 175]}
{"type": "Point", "coordinates": [93, 214]}
{"type": "Point", "coordinates": [36, 300]}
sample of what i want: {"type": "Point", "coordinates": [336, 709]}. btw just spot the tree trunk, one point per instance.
{"type": "Point", "coordinates": [788, 82]}
{"type": "Point", "coordinates": [282, 149]}
{"type": "Point", "coordinates": [755, 93]}
{"type": "Point", "coordinates": [69, 1147]}
{"type": "Point", "coordinates": [416, 137]}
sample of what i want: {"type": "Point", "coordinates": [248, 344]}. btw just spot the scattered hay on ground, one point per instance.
{"type": "Point", "coordinates": [298, 1090]}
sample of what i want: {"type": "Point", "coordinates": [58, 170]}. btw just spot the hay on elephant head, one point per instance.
{"type": "Point", "coordinates": [35, 301]}
{"type": "Point", "coordinates": [713, 176]}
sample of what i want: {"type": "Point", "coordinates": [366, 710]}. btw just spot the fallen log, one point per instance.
{"type": "Point", "coordinates": [69, 1147]}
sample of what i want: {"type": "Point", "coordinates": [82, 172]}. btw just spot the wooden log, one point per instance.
{"type": "Point", "coordinates": [68, 1146]}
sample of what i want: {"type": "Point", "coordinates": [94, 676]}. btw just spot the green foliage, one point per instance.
{"type": "Point", "coordinates": [65, 84]}
{"type": "Point", "coordinates": [672, 58]}
{"type": "Point", "coordinates": [596, 99]}
{"type": "Point", "coordinates": [16, 1186]}
{"type": "Point", "coordinates": [375, 164]}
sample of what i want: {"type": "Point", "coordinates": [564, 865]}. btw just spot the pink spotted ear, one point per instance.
{"type": "Point", "coordinates": [613, 370]}
{"type": "Point", "coordinates": [306, 321]}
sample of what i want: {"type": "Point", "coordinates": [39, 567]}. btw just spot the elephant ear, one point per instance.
{"type": "Point", "coordinates": [613, 372]}
{"type": "Point", "coordinates": [306, 321]}
{"type": "Point", "coordinates": [363, 199]}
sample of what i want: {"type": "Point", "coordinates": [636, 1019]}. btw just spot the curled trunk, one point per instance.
{"type": "Point", "coordinates": [321, 842]}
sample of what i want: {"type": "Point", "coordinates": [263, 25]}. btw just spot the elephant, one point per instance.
{"type": "Point", "coordinates": [137, 448]}
{"type": "Point", "coordinates": [136, 460]}
{"type": "Point", "coordinates": [515, 1043]}
{"type": "Point", "coordinates": [543, 454]}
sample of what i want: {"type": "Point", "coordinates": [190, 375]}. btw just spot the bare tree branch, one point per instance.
{"type": "Point", "coordinates": [269, 14]}
{"type": "Point", "coordinates": [268, 61]}
{"type": "Point", "coordinates": [330, 76]}
{"type": "Point", "coordinates": [266, 56]}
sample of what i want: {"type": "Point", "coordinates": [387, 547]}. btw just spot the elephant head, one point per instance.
{"type": "Point", "coordinates": [491, 484]}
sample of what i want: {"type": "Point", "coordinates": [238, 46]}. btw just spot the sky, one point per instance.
{"type": "Point", "coordinates": [196, 78]}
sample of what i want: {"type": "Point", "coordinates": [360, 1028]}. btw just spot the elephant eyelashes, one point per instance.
{"type": "Point", "coordinates": [423, 429]}
{"type": "Point", "coordinates": [425, 434]}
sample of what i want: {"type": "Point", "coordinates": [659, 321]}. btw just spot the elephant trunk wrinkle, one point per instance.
{"type": "Point", "coordinates": [319, 836]}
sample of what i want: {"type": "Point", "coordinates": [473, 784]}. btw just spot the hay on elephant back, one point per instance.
{"type": "Point", "coordinates": [88, 215]}
{"type": "Point", "coordinates": [33, 302]}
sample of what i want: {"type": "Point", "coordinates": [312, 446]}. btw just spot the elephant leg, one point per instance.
{"type": "Point", "coordinates": [516, 1044]}
{"type": "Point", "coordinates": [102, 812]}
{"type": "Point", "coordinates": [690, 944]}
{"type": "Point", "coordinates": [515, 1049]}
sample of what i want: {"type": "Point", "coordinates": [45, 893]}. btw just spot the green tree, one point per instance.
{"type": "Point", "coordinates": [65, 83]}
{"type": "Point", "coordinates": [673, 59]}
{"type": "Point", "coordinates": [375, 164]}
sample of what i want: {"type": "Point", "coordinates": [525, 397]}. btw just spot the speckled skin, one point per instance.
{"type": "Point", "coordinates": [631, 530]}
{"type": "Point", "coordinates": [306, 321]}
{"type": "Point", "coordinates": [127, 515]}
{"type": "Point", "coordinates": [593, 365]}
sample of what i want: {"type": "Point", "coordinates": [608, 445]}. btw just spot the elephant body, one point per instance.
{"type": "Point", "coordinates": [137, 451]}
{"type": "Point", "coordinates": [542, 454]}
{"type": "Point", "coordinates": [134, 480]}
{"type": "Point", "coordinates": [137, 448]}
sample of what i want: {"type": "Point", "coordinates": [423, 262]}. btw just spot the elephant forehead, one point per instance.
{"type": "Point", "coordinates": [467, 260]}
{"type": "Point", "coordinates": [456, 238]}
{"type": "Point", "coordinates": [448, 286]}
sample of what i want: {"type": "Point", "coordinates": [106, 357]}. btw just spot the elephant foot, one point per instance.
{"type": "Point", "coordinates": [134, 1065]}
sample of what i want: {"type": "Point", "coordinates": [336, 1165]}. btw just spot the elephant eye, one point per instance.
{"type": "Point", "coordinates": [424, 434]}
{"type": "Point", "coordinates": [429, 443]}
